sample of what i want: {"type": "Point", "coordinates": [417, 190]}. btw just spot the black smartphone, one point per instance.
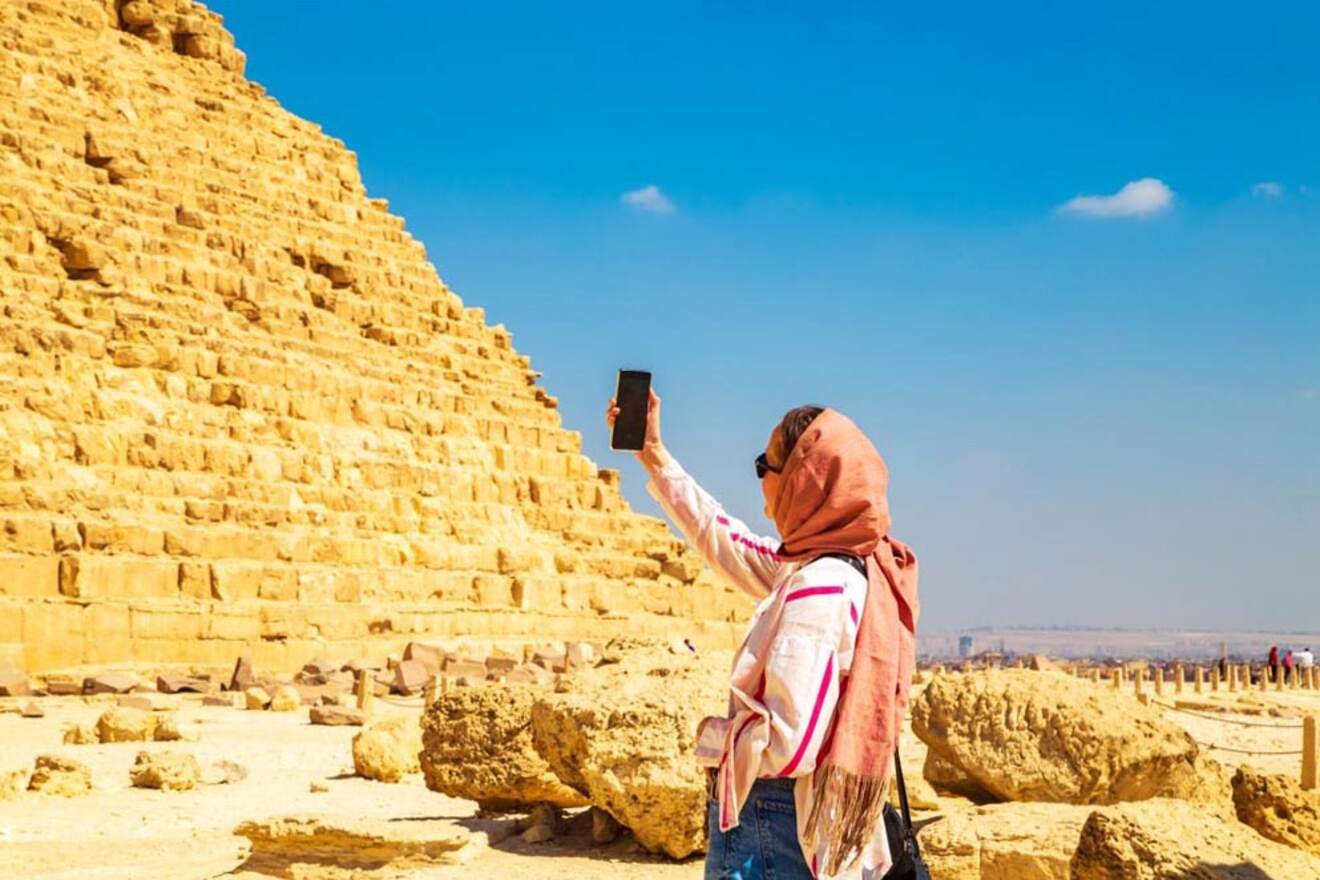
{"type": "Point", "coordinates": [632, 395]}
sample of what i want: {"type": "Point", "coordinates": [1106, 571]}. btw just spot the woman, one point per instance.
{"type": "Point", "coordinates": [800, 766]}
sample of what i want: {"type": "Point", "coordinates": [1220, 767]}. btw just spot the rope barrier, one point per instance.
{"type": "Point", "coordinates": [1297, 726]}
{"type": "Point", "coordinates": [1247, 751]}
{"type": "Point", "coordinates": [408, 704]}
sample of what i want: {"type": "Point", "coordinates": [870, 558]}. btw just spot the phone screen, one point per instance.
{"type": "Point", "coordinates": [632, 395]}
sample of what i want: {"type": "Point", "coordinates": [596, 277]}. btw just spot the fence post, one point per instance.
{"type": "Point", "coordinates": [1177, 678]}
{"type": "Point", "coordinates": [364, 691]}
{"type": "Point", "coordinates": [1278, 680]}
{"type": "Point", "coordinates": [1264, 677]}
{"type": "Point", "coordinates": [1232, 679]}
{"type": "Point", "coordinates": [1136, 681]}
{"type": "Point", "coordinates": [1095, 676]}
{"type": "Point", "coordinates": [1308, 752]}
{"type": "Point", "coordinates": [1200, 679]}
{"type": "Point", "coordinates": [1214, 678]}
{"type": "Point", "coordinates": [1159, 681]}
{"type": "Point", "coordinates": [1117, 678]}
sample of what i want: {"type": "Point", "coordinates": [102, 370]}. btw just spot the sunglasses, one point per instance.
{"type": "Point", "coordinates": [763, 467]}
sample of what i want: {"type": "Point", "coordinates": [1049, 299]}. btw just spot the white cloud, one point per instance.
{"type": "Point", "coordinates": [1266, 189]}
{"type": "Point", "coordinates": [1140, 198]}
{"type": "Point", "coordinates": [649, 199]}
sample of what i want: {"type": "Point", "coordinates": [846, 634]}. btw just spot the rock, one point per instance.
{"type": "Point", "coordinates": [63, 687]}
{"type": "Point", "coordinates": [1003, 842]}
{"type": "Point", "coordinates": [285, 699]}
{"type": "Point", "coordinates": [223, 773]}
{"type": "Point", "coordinates": [430, 656]}
{"type": "Point", "coordinates": [242, 677]}
{"type": "Point", "coordinates": [135, 701]}
{"type": "Point", "coordinates": [177, 684]}
{"type": "Point", "coordinates": [387, 750]}
{"type": "Point", "coordinates": [358, 847]}
{"type": "Point", "coordinates": [318, 788]}
{"type": "Point", "coordinates": [14, 683]}
{"type": "Point", "coordinates": [256, 698]}
{"type": "Point", "coordinates": [122, 724]}
{"type": "Point", "coordinates": [948, 780]}
{"type": "Point", "coordinates": [1278, 808]}
{"type": "Point", "coordinates": [1040, 736]}
{"type": "Point", "coordinates": [477, 745]}
{"type": "Point", "coordinates": [337, 716]}
{"type": "Point", "coordinates": [1172, 840]}
{"type": "Point", "coordinates": [12, 783]}
{"type": "Point", "coordinates": [32, 709]}
{"type": "Point", "coordinates": [410, 677]}
{"type": "Point", "coordinates": [167, 730]}
{"type": "Point", "coordinates": [76, 734]}
{"type": "Point", "coordinates": [530, 673]}
{"type": "Point", "coordinates": [169, 771]}
{"type": "Point", "coordinates": [539, 834]}
{"type": "Point", "coordinates": [110, 683]}
{"type": "Point", "coordinates": [1041, 663]}
{"type": "Point", "coordinates": [55, 775]}
{"type": "Point", "coordinates": [604, 827]}
{"type": "Point", "coordinates": [623, 734]}
{"type": "Point", "coordinates": [320, 666]}
{"type": "Point", "coordinates": [226, 700]}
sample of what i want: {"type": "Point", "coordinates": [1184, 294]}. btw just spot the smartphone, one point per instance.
{"type": "Point", "coordinates": [633, 396]}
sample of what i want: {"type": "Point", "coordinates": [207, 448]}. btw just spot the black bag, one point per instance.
{"type": "Point", "coordinates": [902, 839]}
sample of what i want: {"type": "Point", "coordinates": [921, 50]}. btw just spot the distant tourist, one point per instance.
{"type": "Point", "coordinates": [820, 684]}
{"type": "Point", "coordinates": [1287, 665]}
{"type": "Point", "coordinates": [1274, 663]}
{"type": "Point", "coordinates": [1305, 659]}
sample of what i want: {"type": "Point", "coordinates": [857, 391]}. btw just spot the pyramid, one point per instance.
{"type": "Point", "coordinates": [239, 410]}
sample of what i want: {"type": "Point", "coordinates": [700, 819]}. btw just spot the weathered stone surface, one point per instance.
{"type": "Point", "coordinates": [223, 773]}
{"type": "Point", "coordinates": [79, 734]}
{"type": "Point", "coordinates": [13, 683]}
{"type": "Point", "coordinates": [170, 771]}
{"type": "Point", "coordinates": [946, 779]}
{"type": "Point", "coordinates": [337, 716]}
{"type": "Point", "coordinates": [32, 709]}
{"type": "Point", "coordinates": [168, 730]}
{"type": "Point", "coordinates": [177, 684]}
{"type": "Point", "coordinates": [477, 744]}
{"type": "Point", "coordinates": [111, 683]}
{"type": "Point", "coordinates": [623, 734]}
{"type": "Point", "coordinates": [1039, 736]}
{"type": "Point", "coordinates": [1278, 808]}
{"type": "Point", "coordinates": [410, 677]}
{"type": "Point", "coordinates": [387, 750]}
{"type": "Point", "coordinates": [243, 413]}
{"type": "Point", "coordinates": [242, 677]}
{"type": "Point", "coordinates": [387, 848]}
{"type": "Point", "coordinates": [256, 698]}
{"type": "Point", "coordinates": [1173, 840]}
{"type": "Point", "coordinates": [1004, 842]}
{"type": "Point", "coordinates": [285, 699]}
{"type": "Point", "coordinates": [57, 775]}
{"type": "Point", "coordinates": [12, 783]}
{"type": "Point", "coordinates": [122, 724]}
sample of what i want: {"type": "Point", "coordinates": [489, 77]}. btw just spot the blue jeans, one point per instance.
{"type": "Point", "coordinates": [764, 846]}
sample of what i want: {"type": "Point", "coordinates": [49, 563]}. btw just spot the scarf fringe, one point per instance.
{"type": "Point", "coordinates": [845, 812]}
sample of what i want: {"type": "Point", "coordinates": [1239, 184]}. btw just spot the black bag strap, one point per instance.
{"type": "Point", "coordinates": [902, 791]}
{"type": "Point", "coordinates": [855, 561]}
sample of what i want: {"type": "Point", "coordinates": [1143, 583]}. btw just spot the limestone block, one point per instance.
{"type": "Point", "coordinates": [167, 771]}
{"type": "Point", "coordinates": [30, 576]}
{"type": "Point", "coordinates": [122, 724]}
{"type": "Point", "coordinates": [1278, 808]}
{"type": "Point", "coordinates": [63, 777]}
{"type": "Point", "coordinates": [387, 751]}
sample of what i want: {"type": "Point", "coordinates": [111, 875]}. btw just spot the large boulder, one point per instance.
{"type": "Point", "coordinates": [1174, 840]}
{"type": "Point", "coordinates": [477, 745]}
{"type": "Point", "coordinates": [1279, 808]}
{"type": "Point", "coordinates": [387, 751]}
{"type": "Point", "coordinates": [1043, 736]}
{"type": "Point", "coordinates": [123, 724]}
{"type": "Point", "coordinates": [1004, 842]}
{"type": "Point", "coordinates": [624, 735]}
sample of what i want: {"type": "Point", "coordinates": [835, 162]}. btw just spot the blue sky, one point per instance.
{"type": "Point", "coordinates": [1098, 420]}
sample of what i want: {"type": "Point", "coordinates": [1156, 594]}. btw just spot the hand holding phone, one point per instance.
{"type": "Point", "coordinates": [632, 397]}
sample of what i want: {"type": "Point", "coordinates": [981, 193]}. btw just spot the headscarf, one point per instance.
{"type": "Point", "coordinates": [832, 499]}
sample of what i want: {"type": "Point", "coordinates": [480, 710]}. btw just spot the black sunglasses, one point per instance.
{"type": "Point", "coordinates": [763, 466]}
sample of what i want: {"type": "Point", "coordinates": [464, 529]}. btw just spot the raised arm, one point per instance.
{"type": "Point", "coordinates": [728, 546]}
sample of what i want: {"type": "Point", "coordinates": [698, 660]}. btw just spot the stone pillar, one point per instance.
{"type": "Point", "coordinates": [1308, 752]}
{"type": "Point", "coordinates": [1214, 678]}
{"type": "Point", "coordinates": [1200, 679]}
{"type": "Point", "coordinates": [1136, 682]}
{"type": "Point", "coordinates": [1159, 681]}
{"type": "Point", "coordinates": [1278, 680]}
{"type": "Point", "coordinates": [1178, 678]}
{"type": "Point", "coordinates": [1232, 679]}
{"type": "Point", "coordinates": [1095, 676]}
{"type": "Point", "coordinates": [1117, 678]}
{"type": "Point", "coordinates": [1264, 677]}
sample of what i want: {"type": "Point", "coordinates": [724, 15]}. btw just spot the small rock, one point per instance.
{"type": "Point", "coordinates": [169, 771]}
{"type": "Point", "coordinates": [63, 687]}
{"type": "Point", "coordinates": [177, 684]}
{"type": "Point", "coordinates": [604, 827]}
{"type": "Point", "coordinates": [319, 666]}
{"type": "Point", "coordinates": [386, 751]}
{"type": "Point", "coordinates": [80, 734]}
{"type": "Point", "coordinates": [55, 775]}
{"type": "Point", "coordinates": [12, 783]}
{"type": "Point", "coordinates": [528, 673]}
{"type": "Point", "coordinates": [135, 701]}
{"type": "Point", "coordinates": [539, 834]}
{"type": "Point", "coordinates": [285, 699]}
{"type": "Point", "coordinates": [122, 724]}
{"type": "Point", "coordinates": [430, 656]}
{"type": "Point", "coordinates": [256, 698]}
{"type": "Point", "coordinates": [33, 710]}
{"type": "Point", "coordinates": [410, 677]}
{"type": "Point", "coordinates": [110, 683]}
{"type": "Point", "coordinates": [226, 700]}
{"type": "Point", "coordinates": [14, 683]}
{"type": "Point", "coordinates": [167, 730]}
{"type": "Point", "coordinates": [242, 677]}
{"type": "Point", "coordinates": [318, 788]}
{"type": "Point", "coordinates": [224, 773]}
{"type": "Point", "coordinates": [337, 716]}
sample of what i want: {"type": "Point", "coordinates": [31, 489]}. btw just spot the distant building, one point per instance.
{"type": "Point", "coordinates": [964, 646]}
